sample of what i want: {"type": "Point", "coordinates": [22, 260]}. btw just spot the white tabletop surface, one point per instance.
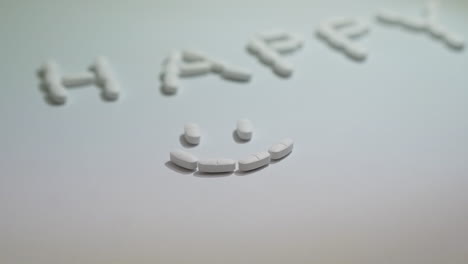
{"type": "Point", "coordinates": [379, 173]}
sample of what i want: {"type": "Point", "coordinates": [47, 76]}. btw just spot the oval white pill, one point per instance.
{"type": "Point", "coordinates": [192, 133]}
{"type": "Point", "coordinates": [255, 45]}
{"type": "Point", "coordinates": [413, 23]}
{"type": "Point", "coordinates": [184, 159]}
{"type": "Point", "coordinates": [216, 165]}
{"type": "Point", "coordinates": [170, 83]}
{"type": "Point", "coordinates": [244, 129]}
{"type": "Point", "coordinates": [79, 79]}
{"type": "Point", "coordinates": [283, 68]}
{"type": "Point", "coordinates": [289, 45]}
{"type": "Point", "coordinates": [337, 22]}
{"type": "Point", "coordinates": [359, 29]}
{"type": "Point", "coordinates": [273, 34]}
{"type": "Point", "coordinates": [111, 90]}
{"type": "Point", "coordinates": [194, 68]}
{"type": "Point", "coordinates": [236, 74]}
{"type": "Point", "coordinates": [281, 149]}
{"type": "Point", "coordinates": [454, 40]}
{"type": "Point", "coordinates": [388, 16]}
{"type": "Point", "coordinates": [356, 52]}
{"type": "Point", "coordinates": [192, 55]}
{"type": "Point", "coordinates": [51, 77]}
{"type": "Point", "coordinates": [255, 161]}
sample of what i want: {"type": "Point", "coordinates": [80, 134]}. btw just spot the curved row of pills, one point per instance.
{"type": "Point", "coordinates": [339, 31]}
{"type": "Point", "coordinates": [222, 165]}
{"type": "Point", "coordinates": [429, 23]}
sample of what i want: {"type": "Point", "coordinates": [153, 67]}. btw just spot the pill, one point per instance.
{"type": "Point", "coordinates": [431, 10]}
{"type": "Point", "coordinates": [170, 83]}
{"type": "Point", "coordinates": [337, 22]}
{"type": "Point", "coordinates": [216, 165]}
{"type": "Point", "coordinates": [192, 55]}
{"type": "Point", "coordinates": [194, 68]}
{"type": "Point", "coordinates": [111, 90]}
{"type": "Point", "coordinates": [170, 74]}
{"type": "Point", "coordinates": [357, 30]}
{"type": "Point", "coordinates": [192, 133]}
{"type": "Point", "coordinates": [255, 45]}
{"type": "Point", "coordinates": [244, 129]}
{"type": "Point", "coordinates": [51, 77]}
{"type": "Point", "coordinates": [413, 23]}
{"type": "Point", "coordinates": [388, 16]}
{"type": "Point", "coordinates": [280, 150]}
{"type": "Point", "coordinates": [273, 34]}
{"type": "Point", "coordinates": [287, 46]}
{"type": "Point", "coordinates": [283, 68]}
{"type": "Point", "coordinates": [195, 56]}
{"type": "Point", "coordinates": [184, 159]}
{"type": "Point", "coordinates": [105, 78]}
{"type": "Point", "coordinates": [454, 40]}
{"type": "Point", "coordinates": [268, 56]}
{"type": "Point", "coordinates": [255, 161]}
{"type": "Point", "coordinates": [338, 41]}
{"type": "Point", "coordinates": [236, 74]}
{"type": "Point", "coordinates": [356, 52]}
{"type": "Point", "coordinates": [436, 30]}
{"type": "Point", "coordinates": [79, 79]}
{"type": "Point", "coordinates": [324, 31]}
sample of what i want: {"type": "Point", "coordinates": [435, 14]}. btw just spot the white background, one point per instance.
{"type": "Point", "coordinates": [379, 173]}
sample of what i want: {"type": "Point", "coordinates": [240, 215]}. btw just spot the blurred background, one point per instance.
{"type": "Point", "coordinates": [379, 172]}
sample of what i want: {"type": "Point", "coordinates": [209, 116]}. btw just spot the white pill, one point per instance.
{"type": "Point", "coordinates": [111, 90]}
{"type": "Point", "coordinates": [281, 149]}
{"type": "Point", "coordinates": [388, 16]}
{"type": "Point", "coordinates": [325, 31]}
{"type": "Point", "coordinates": [338, 41]}
{"type": "Point", "coordinates": [192, 133]}
{"type": "Point", "coordinates": [184, 159]}
{"type": "Point", "coordinates": [255, 45]}
{"type": "Point", "coordinates": [194, 68]}
{"type": "Point", "coordinates": [273, 34]}
{"type": "Point", "coordinates": [105, 78]}
{"type": "Point", "coordinates": [255, 161]}
{"type": "Point", "coordinates": [337, 22]}
{"type": "Point", "coordinates": [356, 52]}
{"type": "Point", "coordinates": [192, 55]}
{"type": "Point", "coordinates": [292, 44]}
{"type": "Point", "coordinates": [79, 79]}
{"type": "Point", "coordinates": [244, 129]}
{"type": "Point", "coordinates": [171, 83]}
{"type": "Point", "coordinates": [268, 56]}
{"type": "Point", "coordinates": [236, 74]}
{"type": "Point", "coordinates": [414, 23]}
{"type": "Point", "coordinates": [454, 40]}
{"type": "Point", "coordinates": [436, 29]}
{"type": "Point", "coordinates": [216, 165]}
{"type": "Point", "coordinates": [431, 10]}
{"type": "Point", "coordinates": [359, 29]}
{"type": "Point", "coordinates": [51, 76]}
{"type": "Point", "coordinates": [283, 68]}
{"type": "Point", "coordinates": [195, 56]}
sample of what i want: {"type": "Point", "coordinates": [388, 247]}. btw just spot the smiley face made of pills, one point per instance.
{"type": "Point", "coordinates": [244, 130]}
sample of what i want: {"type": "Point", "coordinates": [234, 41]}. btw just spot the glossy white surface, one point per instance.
{"type": "Point", "coordinates": [378, 174]}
